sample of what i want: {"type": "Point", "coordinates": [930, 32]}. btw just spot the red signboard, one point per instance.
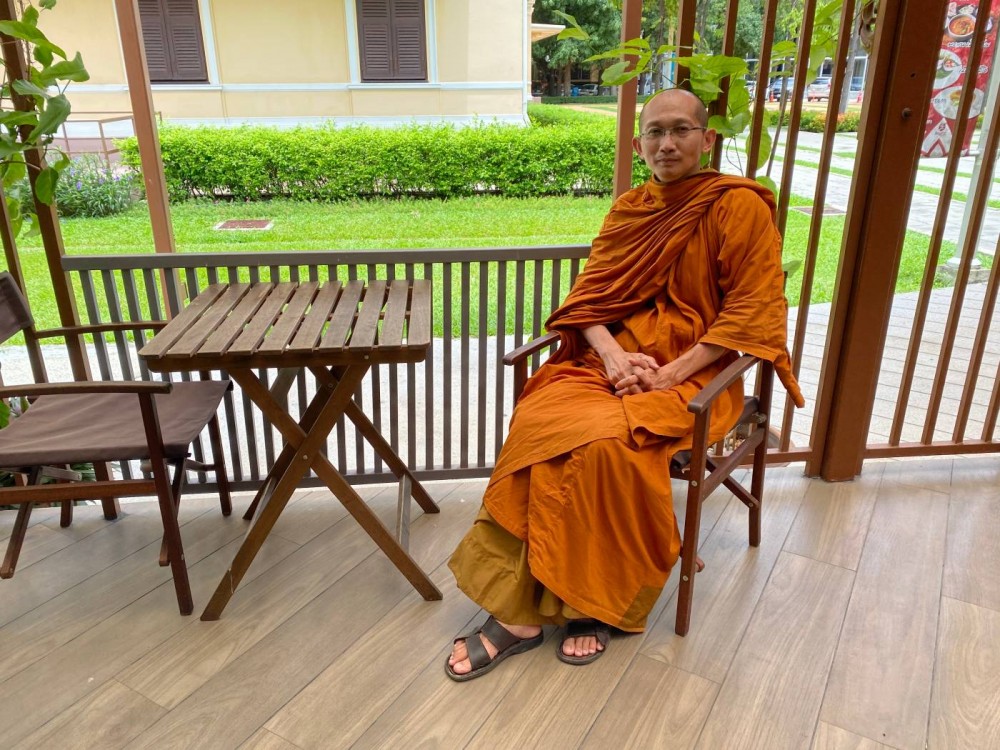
{"type": "Point", "coordinates": [949, 78]}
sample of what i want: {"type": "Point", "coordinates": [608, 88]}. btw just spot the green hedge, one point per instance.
{"type": "Point", "coordinates": [815, 122]}
{"type": "Point", "coordinates": [546, 115]}
{"type": "Point", "coordinates": [328, 164]}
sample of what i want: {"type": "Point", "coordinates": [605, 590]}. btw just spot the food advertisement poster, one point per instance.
{"type": "Point", "coordinates": [949, 78]}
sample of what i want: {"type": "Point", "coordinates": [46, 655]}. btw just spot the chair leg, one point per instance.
{"type": "Point", "coordinates": [689, 559]}
{"type": "Point", "coordinates": [16, 540]}
{"type": "Point", "coordinates": [109, 504]}
{"type": "Point", "coordinates": [757, 490]}
{"type": "Point", "coordinates": [221, 476]}
{"type": "Point", "coordinates": [66, 514]}
{"type": "Point", "coordinates": [176, 487]}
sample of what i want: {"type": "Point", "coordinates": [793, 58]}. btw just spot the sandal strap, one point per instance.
{"type": "Point", "coordinates": [498, 635]}
{"type": "Point", "coordinates": [588, 627]}
{"type": "Point", "coordinates": [478, 655]}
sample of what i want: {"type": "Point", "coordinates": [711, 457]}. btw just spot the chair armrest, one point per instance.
{"type": "Point", "coordinates": [85, 386]}
{"type": "Point", "coordinates": [718, 385]}
{"type": "Point", "coordinates": [526, 350]}
{"type": "Point", "coordinates": [124, 325]}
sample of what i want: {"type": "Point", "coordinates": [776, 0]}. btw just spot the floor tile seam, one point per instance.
{"type": "Point", "coordinates": [937, 622]}
{"type": "Point", "coordinates": [103, 619]}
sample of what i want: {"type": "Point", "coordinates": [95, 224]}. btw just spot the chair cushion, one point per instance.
{"type": "Point", "coordinates": [78, 428]}
{"type": "Point", "coordinates": [681, 459]}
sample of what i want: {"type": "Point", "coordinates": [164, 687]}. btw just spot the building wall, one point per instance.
{"type": "Point", "coordinates": [296, 61]}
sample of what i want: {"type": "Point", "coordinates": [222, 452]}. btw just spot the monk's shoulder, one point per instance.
{"type": "Point", "coordinates": [740, 204]}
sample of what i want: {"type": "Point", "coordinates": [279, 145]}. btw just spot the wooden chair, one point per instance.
{"type": "Point", "coordinates": [703, 470]}
{"type": "Point", "coordinates": [97, 422]}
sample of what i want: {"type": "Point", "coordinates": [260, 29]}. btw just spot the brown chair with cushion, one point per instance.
{"type": "Point", "coordinates": [702, 469]}
{"type": "Point", "coordinates": [96, 422]}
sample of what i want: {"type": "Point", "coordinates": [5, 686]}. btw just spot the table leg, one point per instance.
{"type": "Point", "coordinates": [381, 446]}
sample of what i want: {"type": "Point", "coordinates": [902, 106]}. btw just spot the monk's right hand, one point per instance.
{"type": "Point", "coordinates": [641, 368]}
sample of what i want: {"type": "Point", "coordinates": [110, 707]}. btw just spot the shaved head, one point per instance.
{"type": "Point", "coordinates": [681, 99]}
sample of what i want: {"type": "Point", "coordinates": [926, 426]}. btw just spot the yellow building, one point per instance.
{"type": "Point", "coordinates": [229, 62]}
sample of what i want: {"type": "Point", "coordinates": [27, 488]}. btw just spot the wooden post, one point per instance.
{"type": "Point", "coordinates": [48, 220]}
{"type": "Point", "coordinates": [893, 120]}
{"type": "Point", "coordinates": [144, 118]}
{"type": "Point", "coordinates": [627, 97]}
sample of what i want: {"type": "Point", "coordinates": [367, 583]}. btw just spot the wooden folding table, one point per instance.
{"type": "Point", "coordinates": [337, 331]}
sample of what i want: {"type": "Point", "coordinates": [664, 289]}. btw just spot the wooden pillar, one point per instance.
{"type": "Point", "coordinates": [907, 41]}
{"type": "Point", "coordinates": [627, 98]}
{"type": "Point", "coordinates": [144, 117]}
{"type": "Point", "coordinates": [686, 14]}
{"type": "Point", "coordinates": [48, 219]}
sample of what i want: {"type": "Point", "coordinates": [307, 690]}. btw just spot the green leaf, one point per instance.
{"type": "Point", "coordinates": [45, 185]}
{"type": "Point", "coordinates": [791, 266]}
{"type": "Point", "coordinates": [769, 184]}
{"type": "Point", "coordinates": [55, 113]}
{"type": "Point", "coordinates": [62, 162]}
{"type": "Point", "coordinates": [642, 43]}
{"type": "Point", "coordinates": [764, 153]}
{"type": "Point", "coordinates": [13, 118]}
{"type": "Point", "coordinates": [14, 171]}
{"type": "Point", "coordinates": [44, 55]}
{"type": "Point", "coordinates": [4, 414]}
{"type": "Point", "coordinates": [27, 88]}
{"type": "Point", "coordinates": [67, 70]}
{"type": "Point", "coordinates": [574, 31]}
{"type": "Point", "coordinates": [30, 15]}
{"type": "Point", "coordinates": [783, 49]}
{"type": "Point", "coordinates": [29, 33]}
{"type": "Point", "coordinates": [10, 148]}
{"type": "Point", "coordinates": [615, 75]}
{"type": "Point", "coordinates": [721, 125]}
{"type": "Point", "coordinates": [47, 4]}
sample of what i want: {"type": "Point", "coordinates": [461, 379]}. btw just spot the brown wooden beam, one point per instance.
{"type": "Point", "coordinates": [907, 42]}
{"type": "Point", "coordinates": [15, 60]}
{"type": "Point", "coordinates": [144, 118]}
{"type": "Point", "coordinates": [627, 98]}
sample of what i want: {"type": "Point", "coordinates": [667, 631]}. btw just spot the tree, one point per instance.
{"type": "Point", "coordinates": [555, 58]}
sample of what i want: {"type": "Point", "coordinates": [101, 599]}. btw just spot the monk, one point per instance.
{"type": "Point", "coordinates": [577, 526]}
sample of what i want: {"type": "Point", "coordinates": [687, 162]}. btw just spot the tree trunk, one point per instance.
{"type": "Point", "coordinates": [567, 80]}
{"type": "Point", "coordinates": [852, 53]}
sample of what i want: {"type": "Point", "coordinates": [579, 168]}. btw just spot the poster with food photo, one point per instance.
{"type": "Point", "coordinates": [949, 77]}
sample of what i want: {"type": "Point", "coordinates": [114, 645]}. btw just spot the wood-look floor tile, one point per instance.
{"type": "Point", "coordinates": [74, 670]}
{"type": "Point", "coordinates": [165, 674]}
{"type": "Point", "coordinates": [829, 737]}
{"type": "Point", "coordinates": [727, 591]}
{"type": "Point", "coordinates": [346, 698]}
{"type": "Point", "coordinates": [965, 707]}
{"type": "Point", "coordinates": [833, 521]}
{"type": "Point", "coordinates": [880, 682]}
{"type": "Point", "coordinates": [62, 570]}
{"type": "Point", "coordinates": [654, 706]}
{"type": "Point", "coordinates": [39, 542]}
{"type": "Point", "coordinates": [62, 618]}
{"type": "Point", "coordinates": [972, 560]}
{"type": "Point", "coordinates": [772, 694]}
{"type": "Point", "coordinates": [265, 740]}
{"type": "Point", "coordinates": [238, 700]}
{"type": "Point", "coordinates": [107, 718]}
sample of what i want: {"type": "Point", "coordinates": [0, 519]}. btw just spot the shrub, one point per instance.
{"type": "Point", "coordinates": [815, 122]}
{"type": "Point", "coordinates": [328, 164]}
{"type": "Point", "coordinates": [88, 187]}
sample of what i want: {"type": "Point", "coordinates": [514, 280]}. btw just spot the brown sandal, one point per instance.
{"type": "Point", "coordinates": [581, 629]}
{"type": "Point", "coordinates": [507, 644]}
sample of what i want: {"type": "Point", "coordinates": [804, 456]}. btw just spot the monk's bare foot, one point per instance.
{"type": "Point", "coordinates": [583, 641]}
{"type": "Point", "coordinates": [459, 659]}
{"type": "Point", "coordinates": [699, 564]}
{"type": "Point", "coordinates": [582, 646]}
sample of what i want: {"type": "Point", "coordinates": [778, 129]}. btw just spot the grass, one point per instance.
{"type": "Point", "coordinates": [467, 222]}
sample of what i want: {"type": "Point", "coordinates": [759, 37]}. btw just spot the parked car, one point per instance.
{"type": "Point", "coordinates": [589, 89]}
{"type": "Point", "coordinates": [780, 84]}
{"type": "Point", "coordinates": [818, 90]}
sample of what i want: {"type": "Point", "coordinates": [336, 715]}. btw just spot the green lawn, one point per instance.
{"type": "Point", "coordinates": [467, 222]}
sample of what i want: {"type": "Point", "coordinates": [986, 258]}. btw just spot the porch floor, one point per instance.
{"type": "Point", "coordinates": [869, 617]}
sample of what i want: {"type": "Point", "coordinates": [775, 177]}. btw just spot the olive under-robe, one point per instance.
{"type": "Point", "coordinates": [577, 519]}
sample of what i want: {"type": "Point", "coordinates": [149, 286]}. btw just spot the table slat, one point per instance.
{"type": "Point", "coordinates": [253, 334]}
{"type": "Point", "coordinates": [196, 334]}
{"type": "Point", "coordinates": [340, 324]}
{"type": "Point", "coordinates": [395, 314]}
{"type": "Point", "coordinates": [418, 333]}
{"type": "Point", "coordinates": [312, 326]}
{"type": "Point", "coordinates": [371, 310]}
{"type": "Point", "coordinates": [288, 323]}
{"type": "Point", "coordinates": [178, 326]}
{"type": "Point", "coordinates": [241, 315]}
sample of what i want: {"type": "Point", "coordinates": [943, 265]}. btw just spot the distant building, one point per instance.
{"type": "Point", "coordinates": [229, 62]}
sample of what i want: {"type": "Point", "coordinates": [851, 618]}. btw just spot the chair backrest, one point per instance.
{"type": "Point", "coordinates": [14, 313]}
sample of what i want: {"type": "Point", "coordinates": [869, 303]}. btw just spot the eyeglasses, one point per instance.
{"type": "Point", "coordinates": [678, 132]}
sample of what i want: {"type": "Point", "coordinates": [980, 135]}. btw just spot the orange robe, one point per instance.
{"type": "Point", "coordinates": [582, 481]}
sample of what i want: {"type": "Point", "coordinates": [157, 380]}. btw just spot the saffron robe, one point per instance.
{"type": "Point", "coordinates": [582, 480]}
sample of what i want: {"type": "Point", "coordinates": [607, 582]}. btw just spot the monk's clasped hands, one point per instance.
{"type": "Point", "coordinates": [646, 376]}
